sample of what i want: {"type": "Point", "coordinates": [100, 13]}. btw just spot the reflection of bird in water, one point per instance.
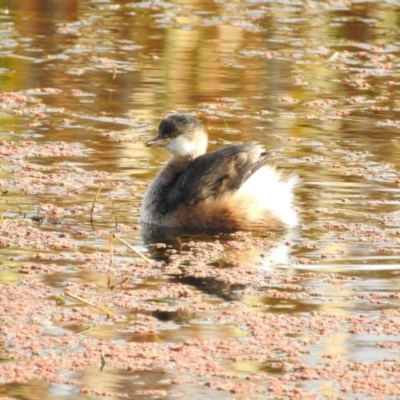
{"type": "Point", "coordinates": [229, 189]}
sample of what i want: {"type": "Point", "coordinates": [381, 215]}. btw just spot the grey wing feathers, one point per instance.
{"type": "Point", "coordinates": [215, 173]}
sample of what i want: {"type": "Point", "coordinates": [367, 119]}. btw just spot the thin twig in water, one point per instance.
{"type": "Point", "coordinates": [126, 279]}
{"type": "Point", "coordinates": [74, 296]}
{"type": "Point", "coordinates": [115, 214]}
{"type": "Point", "coordinates": [142, 256]}
{"type": "Point", "coordinates": [94, 202]}
{"type": "Point", "coordinates": [111, 243]}
{"type": "Point", "coordinates": [84, 330]}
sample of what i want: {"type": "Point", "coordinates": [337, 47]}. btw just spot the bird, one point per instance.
{"type": "Point", "coordinates": [233, 188]}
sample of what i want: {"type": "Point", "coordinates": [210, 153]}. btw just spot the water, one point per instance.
{"type": "Point", "coordinates": [315, 82]}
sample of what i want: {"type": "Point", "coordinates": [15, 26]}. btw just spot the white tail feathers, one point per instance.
{"type": "Point", "coordinates": [274, 194]}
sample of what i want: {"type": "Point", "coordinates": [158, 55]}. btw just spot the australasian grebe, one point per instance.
{"type": "Point", "coordinates": [229, 189]}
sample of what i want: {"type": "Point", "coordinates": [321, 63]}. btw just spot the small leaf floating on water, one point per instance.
{"type": "Point", "coordinates": [60, 300]}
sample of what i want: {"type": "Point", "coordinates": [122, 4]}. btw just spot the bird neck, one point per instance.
{"type": "Point", "coordinates": [175, 166]}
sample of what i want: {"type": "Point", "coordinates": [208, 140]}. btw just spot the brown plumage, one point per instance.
{"type": "Point", "coordinates": [229, 189]}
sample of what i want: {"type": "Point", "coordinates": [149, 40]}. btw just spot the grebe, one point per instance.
{"type": "Point", "coordinates": [229, 189]}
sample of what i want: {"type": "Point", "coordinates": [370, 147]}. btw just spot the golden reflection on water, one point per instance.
{"type": "Point", "coordinates": [237, 66]}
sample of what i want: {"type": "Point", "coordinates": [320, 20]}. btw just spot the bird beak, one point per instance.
{"type": "Point", "coordinates": [156, 142]}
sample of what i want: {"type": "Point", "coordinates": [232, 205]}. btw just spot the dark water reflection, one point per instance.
{"type": "Point", "coordinates": [316, 82]}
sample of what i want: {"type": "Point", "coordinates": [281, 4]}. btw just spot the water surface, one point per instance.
{"type": "Point", "coordinates": [315, 82]}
